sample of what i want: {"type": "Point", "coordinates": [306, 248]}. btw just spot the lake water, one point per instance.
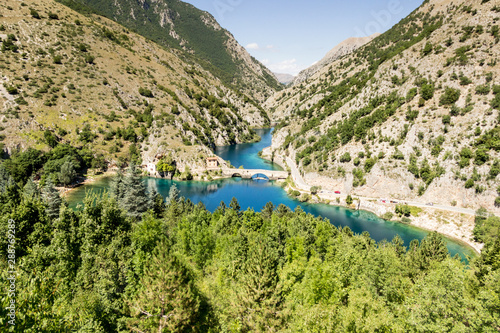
{"type": "Point", "coordinates": [255, 194]}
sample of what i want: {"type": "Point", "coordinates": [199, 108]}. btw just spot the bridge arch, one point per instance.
{"type": "Point", "coordinates": [260, 176]}
{"type": "Point", "coordinates": [236, 175]}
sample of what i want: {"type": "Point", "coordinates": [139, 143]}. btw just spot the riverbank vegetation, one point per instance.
{"type": "Point", "coordinates": [129, 260]}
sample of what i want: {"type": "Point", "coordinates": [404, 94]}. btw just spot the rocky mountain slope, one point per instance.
{"type": "Point", "coordinates": [342, 49]}
{"type": "Point", "coordinates": [191, 33]}
{"type": "Point", "coordinates": [88, 81]}
{"type": "Point", "coordinates": [284, 78]}
{"type": "Point", "coordinates": [412, 115]}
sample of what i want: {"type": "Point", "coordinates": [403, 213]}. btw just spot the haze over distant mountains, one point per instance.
{"type": "Point", "coordinates": [284, 78]}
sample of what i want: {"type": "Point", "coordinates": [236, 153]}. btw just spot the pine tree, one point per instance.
{"type": "Point", "coordinates": [135, 200]}
{"type": "Point", "coordinates": [234, 204]}
{"type": "Point", "coordinates": [167, 300]}
{"type": "Point", "coordinates": [117, 186]}
{"type": "Point", "coordinates": [68, 172]}
{"type": "Point", "coordinates": [30, 190]}
{"type": "Point", "coordinates": [257, 300]}
{"type": "Point", "coordinates": [6, 180]}
{"type": "Point", "coordinates": [51, 199]}
{"type": "Point", "coordinates": [158, 202]}
{"type": "Point", "coordinates": [173, 195]}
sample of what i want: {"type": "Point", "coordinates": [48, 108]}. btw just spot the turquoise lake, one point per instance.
{"type": "Point", "coordinates": [255, 194]}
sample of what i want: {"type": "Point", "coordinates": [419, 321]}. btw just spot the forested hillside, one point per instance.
{"type": "Point", "coordinates": [182, 27]}
{"type": "Point", "coordinates": [130, 262]}
{"type": "Point", "coordinates": [91, 83]}
{"type": "Point", "coordinates": [411, 115]}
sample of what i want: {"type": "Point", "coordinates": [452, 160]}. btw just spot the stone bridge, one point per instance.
{"type": "Point", "coordinates": [251, 173]}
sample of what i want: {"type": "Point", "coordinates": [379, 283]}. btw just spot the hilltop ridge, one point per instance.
{"type": "Point", "coordinates": [412, 115]}
{"type": "Point", "coordinates": [87, 81]}
{"type": "Point", "coordinates": [342, 49]}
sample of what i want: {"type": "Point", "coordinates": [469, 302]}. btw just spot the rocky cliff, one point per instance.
{"type": "Point", "coordinates": [412, 115]}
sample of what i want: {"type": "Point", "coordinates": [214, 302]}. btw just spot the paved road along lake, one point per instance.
{"type": "Point", "coordinates": [256, 193]}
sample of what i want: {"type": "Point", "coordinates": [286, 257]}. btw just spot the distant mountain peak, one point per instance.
{"type": "Point", "coordinates": [343, 48]}
{"type": "Point", "coordinates": [284, 78]}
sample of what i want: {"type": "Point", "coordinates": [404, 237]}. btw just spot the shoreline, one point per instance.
{"type": "Point", "coordinates": [373, 205]}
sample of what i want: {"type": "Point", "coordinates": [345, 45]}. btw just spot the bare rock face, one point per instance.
{"type": "Point", "coordinates": [344, 48]}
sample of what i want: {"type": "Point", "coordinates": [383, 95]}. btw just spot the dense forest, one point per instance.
{"type": "Point", "coordinates": [130, 260]}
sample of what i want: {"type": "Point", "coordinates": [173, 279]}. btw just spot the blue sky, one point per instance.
{"type": "Point", "coordinates": [290, 35]}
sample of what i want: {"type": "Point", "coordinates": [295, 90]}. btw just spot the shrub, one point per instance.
{"type": "Point", "coordinates": [345, 158]}
{"type": "Point", "coordinates": [427, 49]}
{"type": "Point", "coordinates": [450, 96]}
{"type": "Point", "coordinates": [481, 156]}
{"type": "Point", "coordinates": [398, 155]}
{"type": "Point", "coordinates": [464, 81]}
{"type": "Point", "coordinates": [483, 89]}
{"type": "Point", "coordinates": [12, 90]}
{"type": "Point", "coordinates": [469, 183]}
{"type": "Point", "coordinates": [315, 189]}
{"type": "Point", "coordinates": [349, 200]}
{"type": "Point", "coordinates": [369, 164]}
{"type": "Point", "coordinates": [497, 202]}
{"type": "Point", "coordinates": [421, 190]}
{"type": "Point", "coordinates": [388, 216]}
{"type": "Point", "coordinates": [446, 119]}
{"type": "Point", "coordinates": [53, 16]}
{"type": "Point", "coordinates": [403, 210]}
{"type": "Point", "coordinates": [145, 92]}
{"type": "Point", "coordinates": [89, 59]}
{"type": "Point", "coordinates": [34, 13]}
{"type": "Point", "coordinates": [427, 91]}
{"type": "Point", "coordinates": [57, 59]}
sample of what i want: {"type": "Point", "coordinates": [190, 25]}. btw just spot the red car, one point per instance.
{"type": "Point", "coordinates": [337, 192]}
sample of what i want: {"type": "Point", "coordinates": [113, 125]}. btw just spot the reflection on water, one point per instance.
{"type": "Point", "coordinates": [246, 154]}
{"type": "Point", "coordinates": [254, 194]}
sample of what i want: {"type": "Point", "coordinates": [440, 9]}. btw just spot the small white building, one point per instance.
{"type": "Point", "coordinates": [212, 162]}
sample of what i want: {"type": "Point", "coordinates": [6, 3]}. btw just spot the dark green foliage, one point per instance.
{"type": "Point", "coordinates": [369, 163]}
{"type": "Point", "coordinates": [86, 135]}
{"type": "Point", "coordinates": [34, 13]}
{"type": "Point", "coordinates": [282, 271]}
{"type": "Point", "coordinates": [207, 43]}
{"type": "Point", "coordinates": [349, 200]}
{"type": "Point", "coordinates": [53, 16]}
{"type": "Point", "coordinates": [52, 199]}
{"type": "Point", "coordinates": [346, 157]}
{"type": "Point", "coordinates": [145, 92]}
{"type": "Point", "coordinates": [22, 164]}
{"type": "Point", "coordinates": [486, 227]}
{"type": "Point", "coordinates": [50, 139]}
{"type": "Point", "coordinates": [130, 193]}
{"type": "Point", "coordinates": [8, 44]}
{"type": "Point", "coordinates": [469, 183]}
{"type": "Point", "coordinates": [495, 169]}
{"type": "Point", "coordinates": [167, 298]}
{"type": "Point", "coordinates": [403, 210]}
{"type": "Point", "coordinates": [427, 91]}
{"type": "Point", "coordinates": [450, 96]}
{"type": "Point", "coordinates": [483, 89]}
{"type": "Point", "coordinates": [427, 49]}
{"type": "Point", "coordinates": [481, 156]}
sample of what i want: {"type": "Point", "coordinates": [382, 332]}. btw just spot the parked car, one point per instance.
{"type": "Point", "coordinates": [430, 204]}
{"type": "Point", "coordinates": [393, 201]}
{"type": "Point", "coordinates": [337, 192]}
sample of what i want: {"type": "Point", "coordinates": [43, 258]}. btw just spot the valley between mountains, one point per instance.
{"type": "Point", "coordinates": [139, 96]}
